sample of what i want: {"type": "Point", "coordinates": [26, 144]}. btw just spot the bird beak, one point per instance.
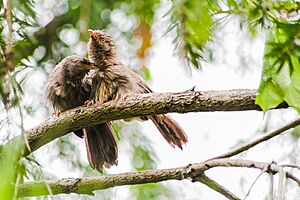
{"type": "Point", "coordinates": [93, 66]}
{"type": "Point", "coordinates": [90, 66]}
{"type": "Point", "coordinates": [92, 33]}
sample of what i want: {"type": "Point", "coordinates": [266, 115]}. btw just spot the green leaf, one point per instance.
{"type": "Point", "coordinates": [195, 27]}
{"type": "Point", "coordinates": [10, 168]}
{"type": "Point", "coordinates": [26, 7]}
{"type": "Point", "coordinates": [146, 73]}
{"type": "Point", "coordinates": [292, 93]}
{"type": "Point", "coordinates": [292, 96]}
{"type": "Point", "coordinates": [268, 96]}
{"type": "Point", "coordinates": [281, 68]}
{"type": "Point", "coordinates": [232, 3]}
{"type": "Point", "coordinates": [295, 132]}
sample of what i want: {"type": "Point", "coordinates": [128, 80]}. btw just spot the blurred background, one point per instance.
{"type": "Point", "coordinates": [174, 45]}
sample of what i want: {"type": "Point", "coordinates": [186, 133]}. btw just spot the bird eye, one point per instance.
{"type": "Point", "coordinates": [102, 40]}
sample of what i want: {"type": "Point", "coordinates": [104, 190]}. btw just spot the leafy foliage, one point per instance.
{"type": "Point", "coordinates": [281, 68]}
{"type": "Point", "coordinates": [12, 171]}
{"type": "Point", "coordinates": [280, 78]}
{"type": "Point", "coordinates": [280, 19]}
{"type": "Point", "coordinates": [192, 33]}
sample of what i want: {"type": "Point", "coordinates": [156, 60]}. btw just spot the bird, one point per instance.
{"type": "Point", "coordinates": [69, 86]}
{"type": "Point", "coordinates": [114, 81]}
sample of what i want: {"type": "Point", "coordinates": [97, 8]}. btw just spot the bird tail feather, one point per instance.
{"type": "Point", "coordinates": [170, 130]}
{"type": "Point", "coordinates": [101, 146]}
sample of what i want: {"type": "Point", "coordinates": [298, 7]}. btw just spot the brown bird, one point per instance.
{"type": "Point", "coordinates": [69, 86]}
{"type": "Point", "coordinates": [114, 81]}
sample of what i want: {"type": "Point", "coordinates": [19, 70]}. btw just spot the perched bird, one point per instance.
{"type": "Point", "coordinates": [69, 86]}
{"type": "Point", "coordinates": [114, 81]}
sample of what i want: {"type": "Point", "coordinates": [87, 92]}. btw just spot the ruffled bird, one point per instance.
{"type": "Point", "coordinates": [114, 81]}
{"type": "Point", "coordinates": [69, 86]}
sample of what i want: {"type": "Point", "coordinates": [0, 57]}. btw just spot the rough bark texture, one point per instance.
{"type": "Point", "coordinates": [193, 172]}
{"type": "Point", "coordinates": [140, 105]}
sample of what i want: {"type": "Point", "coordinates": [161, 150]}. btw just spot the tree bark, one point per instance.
{"type": "Point", "coordinates": [139, 105]}
{"type": "Point", "coordinates": [193, 172]}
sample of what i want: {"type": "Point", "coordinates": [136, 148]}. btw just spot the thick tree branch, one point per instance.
{"type": "Point", "coordinates": [194, 172]}
{"type": "Point", "coordinates": [140, 105]}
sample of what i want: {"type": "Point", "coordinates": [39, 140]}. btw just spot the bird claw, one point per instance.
{"type": "Point", "coordinates": [89, 103]}
{"type": "Point", "coordinates": [125, 97]}
{"type": "Point", "coordinates": [192, 89]}
{"type": "Point", "coordinates": [56, 113]}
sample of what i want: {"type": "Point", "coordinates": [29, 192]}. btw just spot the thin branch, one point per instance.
{"type": "Point", "coordinates": [140, 105]}
{"type": "Point", "coordinates": [216, 186]}
{"type": "Point", "coordinates": [9, 42]}
{"type": "Point", "coordinates": [256, 179]}
{"type": "Point", "coordinates": [190, 172]}
{"type": "Point", "coordinates": [280, 190]}
{"type": "Point", "coordinates": [292, 166]}
{"type": "Point", "coordinates": [271, 188]}
{"type": "Point", "coordinates": [292, 177]}
{"type": "Point", "coordinates": [8, 64]}
{"type": "Point", "coordinates": [264, 138]}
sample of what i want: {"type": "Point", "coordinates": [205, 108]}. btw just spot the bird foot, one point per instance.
{"type": "Point", "coordinates": [191, 89]}
{"type": "Point", "coordinates": [125, 96]}
{"type": "Point", "coordinates": [56, 113]}
{"type": "Point", "coordinates": [89, 103]}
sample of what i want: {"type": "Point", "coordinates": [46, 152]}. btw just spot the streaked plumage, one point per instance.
{"type": "Point", "coordinates": [69, 86]}
{"type": "Point", "coordinates": [114, 81]}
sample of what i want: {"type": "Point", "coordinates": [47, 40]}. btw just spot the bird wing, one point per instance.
{"type": "Point", "coordinates": [136, 83]}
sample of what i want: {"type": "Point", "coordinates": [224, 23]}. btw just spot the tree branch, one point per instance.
{"type": "Point", "coordinates": [7, 57]}
{"type": "Point", "coordinates": [140, 105]}
{"type": "Point", "coordinates": [9, 42]}
{"type": "Point", "coordinates": [193, 172]}
{"type": "Point", "coordinates": [271, 186]}
{"type": "Point", "coordinates": [280, 190]}
{"type": "Point", "coordinates": [256, 179]}
{"type": "Point", "coordinates": [264, 138]}
{"type": "Point", "coordinates": [216, 186]}
{"type": "Point", "coordinates": [294, 178]}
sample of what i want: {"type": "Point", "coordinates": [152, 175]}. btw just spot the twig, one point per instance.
{"type": "Point", "coordinates": [271, 188]}
{"type": "Point", "coordinates": [292, 177]}
{"type": "Point", "coordinates": [291, 166]}
{"type": "Point", "coordinates": [280, 190]}
{"type": "Point", "coordinates": [8, 64]}
{"type": "Point", "coordinates": [8, 18]}
{"type": "Point", "coordinates": [256, 179]}
{"type": "Point", "coordinates": [216, 186]}
{"type": "Point", "coordinates": [264, 138]}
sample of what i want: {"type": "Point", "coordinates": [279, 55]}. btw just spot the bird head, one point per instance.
{"type": "Point", "coordinates": [77, 66]}
{"type": "Point", "coordinates": [100, 46]}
